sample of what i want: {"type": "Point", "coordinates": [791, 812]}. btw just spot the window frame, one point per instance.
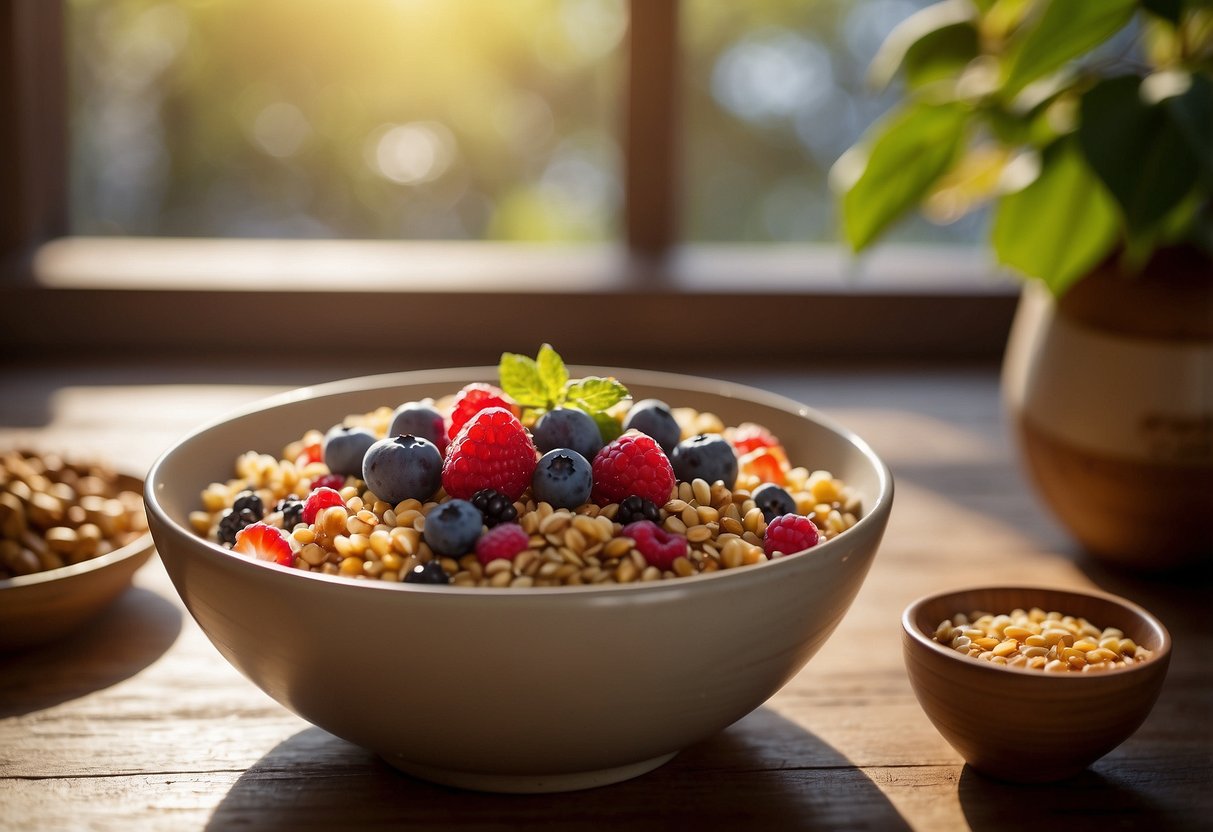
{"type": "Point", "coordinates": [645, 299]}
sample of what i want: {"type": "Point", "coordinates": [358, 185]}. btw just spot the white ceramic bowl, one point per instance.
{"type": "Point", "coordinates": [540, 689]}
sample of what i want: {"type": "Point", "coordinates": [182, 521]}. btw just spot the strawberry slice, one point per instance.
{"type": "Point", "coordinates": [768, 464]}
{"type": "Point", "coordinates": [320, 499]}
{"type": "Point", "coordinates": [313, 452]}
{"type": "Point", "coordinates": [265, 542]}
{"type": "Point", "coordinates": [750, 436]}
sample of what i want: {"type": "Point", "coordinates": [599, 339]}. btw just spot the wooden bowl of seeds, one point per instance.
{"type": "Point", "coordinates": [72, 535]}
{"type": "Point", "coordinates": [515, 689]}
{"type": "Point", "coordinates": [1033, 684]}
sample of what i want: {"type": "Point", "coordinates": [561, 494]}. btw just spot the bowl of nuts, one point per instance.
{"type": "Point", "coordinates": [1033, 684]}
{"type": "Point", "coordinates": [73, 535]}
{"type": "Point", "coordinates": [469, 581]}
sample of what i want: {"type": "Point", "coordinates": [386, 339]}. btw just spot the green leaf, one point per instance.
{"type": "Point", "coordinates": [519, 377]}
{"type": "Point", "coordinates": [1136, 150]}
{"type": "Point", "coordinates": [931, 44]}
{"type": "Point", "coordinates": [1061, 225]}
{"type": "Point", "coordinates": [912, 150]}
{"type": "Point", "coordinates": [552, 372]}
{"type": "Point", "coordinates": [593, 393]}
{"type": "Point", "coordinates": [1192, 114]}
{"type": "Point", "coordinates": [608, 426]}
{"type": "Point", "coordinates": [1066, 30]}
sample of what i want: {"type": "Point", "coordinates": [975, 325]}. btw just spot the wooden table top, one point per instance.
{"type": "Point", "coordinates": [137, 722]}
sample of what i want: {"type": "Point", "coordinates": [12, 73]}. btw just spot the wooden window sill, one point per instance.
{"type": "Point", "coordinates": [459, 300]}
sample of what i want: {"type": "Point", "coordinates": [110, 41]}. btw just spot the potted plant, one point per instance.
{"type": "Point", "coordinates": [1087, 125]}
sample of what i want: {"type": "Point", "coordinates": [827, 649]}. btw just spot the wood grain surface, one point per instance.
{"type": "Point", "coordinates": [136, 723]}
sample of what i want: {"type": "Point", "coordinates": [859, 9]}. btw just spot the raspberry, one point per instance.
{"type": "Point", "coordinates": [633, 464]}
{"type": "Point", "coordinates": [265, 542]}
{"type": "Point", "coordinates": [659, 547]}
{"type": "Point", "coordinates": [472, 399]}
{"type": "Point", "coordinates": [320, 499]}
{"type": "Point", "coordinates": [502, 541]}
{"type": "Point", "coordinates": [788, 534]}
{"type": "Point", "coordinates": [492, 450]}
{"type": "Point", "coordinates": [333, 481]}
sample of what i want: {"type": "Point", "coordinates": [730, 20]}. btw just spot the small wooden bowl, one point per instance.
{"type": "Point", "coordinates": [1027, 725]}
{"type": "Point", "coordinates": [46, 606]}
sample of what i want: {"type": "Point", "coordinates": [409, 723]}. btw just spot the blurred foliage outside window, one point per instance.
{"type": "Point", "coordinates": [459, 119]}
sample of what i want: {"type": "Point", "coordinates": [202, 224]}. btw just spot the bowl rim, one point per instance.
{"type": "Point", "coordinates": [139, 545]}
{"type": "Point", "coordinates": [878, 508]}
{"type": "Point", "coordinates": [1159, 657]}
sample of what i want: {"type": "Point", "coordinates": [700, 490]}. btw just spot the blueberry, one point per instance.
{"type": "Point", "coordinates": [494, 506]}
{"type": "Point", "coordinates": [399, 467]}
{"type": "Point", "coordinates": [418, 419]}
{"type": "Point", "coordinates": [453, 527]}
{"type": "Point", "coordinates": [567, 427]}
{"type": "Point", "coordinates": [636, 508]}
{"type": "Point", "coordinates": [707, 456]}
{"type": "Point", "coordinates": [427, 573]}
{"type": "Point", "coordinates": [653, 417]}
{"type": "Point", "coordinates": [344, 448]}
{"type": "Point", "coordinates": [563, 478]}
{"type": "Point", "coordinates": [773, 501]}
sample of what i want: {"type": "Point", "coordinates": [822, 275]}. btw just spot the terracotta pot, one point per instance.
{"type": "Point", "coordinates": [1110, 394]}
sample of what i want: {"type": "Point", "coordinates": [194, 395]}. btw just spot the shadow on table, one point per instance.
{"type": "Point", "coordinates": [1090, 801]}
{"type": "Point", "coordinates": [129, 636]}
{"type": "Point", "coordinates": [762, 773]}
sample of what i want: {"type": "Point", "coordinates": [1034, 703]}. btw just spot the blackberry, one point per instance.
{"type": "Point", "coordinates": [233, 520]}
{"type": "Point", "coordinates": [427, 573]}
{"type": "Point", "coordinates": [494, 506]}
{"type": "Point", "coordinates": [292, 511]}
{"type": "Point", "coordinates": [635, 508]}
{"type": "Point", "coordinates": [249, 500]}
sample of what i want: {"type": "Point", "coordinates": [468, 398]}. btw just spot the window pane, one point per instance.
{"type": "Point", "coordinates": [425, 119]}
{"type": "Point", "coordinates": [775, 92]}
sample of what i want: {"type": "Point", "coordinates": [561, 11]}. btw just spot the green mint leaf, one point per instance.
{"type": "Point", "coordinates": [552, 372]}
{"type": "Point", "coordinates": [593, 393]}
{"type": "Point", "coordinates": [519, 376]}
{"type": "Point", "coordinates": [608, 426]}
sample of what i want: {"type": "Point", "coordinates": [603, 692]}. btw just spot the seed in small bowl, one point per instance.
{"type": "Point", "coordinates": [1039, 640]}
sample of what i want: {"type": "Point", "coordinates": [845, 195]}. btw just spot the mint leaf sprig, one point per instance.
{"type": "Point", "coordinates": [542, 383]}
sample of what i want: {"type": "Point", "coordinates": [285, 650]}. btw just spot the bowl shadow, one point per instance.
{"type": "Point", "coordinates": [1089, 801]}
{"type": "Point", "coordinates": [739, 779]}
{"type": "Point", "coordinates": [133, 632]}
